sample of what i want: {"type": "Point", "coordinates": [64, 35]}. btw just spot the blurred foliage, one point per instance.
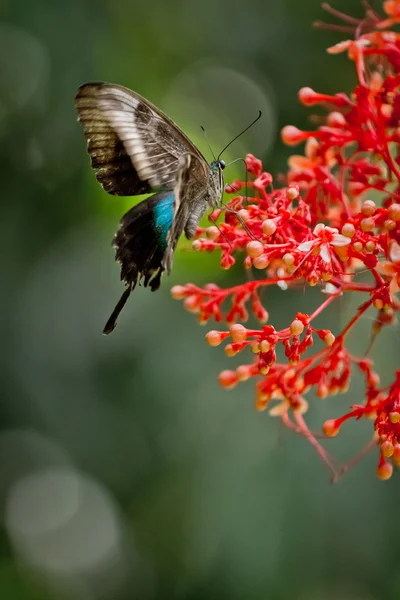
{"type": "Point", "coordinates": [125, 472]}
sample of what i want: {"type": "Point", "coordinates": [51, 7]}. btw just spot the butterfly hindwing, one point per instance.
{"type": "Point", "coordinates": [140, 244]}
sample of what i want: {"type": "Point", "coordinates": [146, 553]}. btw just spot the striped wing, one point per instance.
{"type": "Point", "coordinates": [134, 147]}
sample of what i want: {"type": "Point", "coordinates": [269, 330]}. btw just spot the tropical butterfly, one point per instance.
{"type": "Point", "coordinates": [135, 149]}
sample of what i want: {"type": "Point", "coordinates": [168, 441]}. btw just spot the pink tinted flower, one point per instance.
{"type": "Point", "coordinates": [391, 268]}
{"type": "Point", "coordinates": [325, 237]}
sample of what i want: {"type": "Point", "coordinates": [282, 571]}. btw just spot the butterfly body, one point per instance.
{"type": "Point", "coordinates": [136, 149]}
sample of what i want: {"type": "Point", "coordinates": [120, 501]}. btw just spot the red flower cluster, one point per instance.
{"type": "Point", "coordinates": [320, 229]}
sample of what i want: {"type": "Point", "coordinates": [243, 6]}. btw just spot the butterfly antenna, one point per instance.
{"type": "Point", "coordinates": [208, 143]}
{"type": "Point", "coordinates": [241, 221]}
{"type": "Point", "coordinates": [221, 232]}
{"type": "Point", "coordinates": [112, 321]}
{"type": "Point", "coordinates": [239, 134]}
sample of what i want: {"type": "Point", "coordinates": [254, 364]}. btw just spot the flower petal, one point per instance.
{"type": "Point", "coordinates": [279, 409]}
{"type": "Point", "coordinates": [306, 246]}
{"type": "Point", "coordinates": [329, 288]}
{"type": "Point", "coordinates": [386, 268]}
{"type": "Point", "coordinates": [318, 228]}
{"type": "Point", "coordinates": [394, 252]}
{"type": "Point", "coordinates": [302, 409]}
{"type": "Point", "coordinates": [340, 47]}
{"type": "Point", "coordinates": [325, 253]}
{"type": "Point", "coordinates": [299, 163]}
{"type": "Point", "coordinates": [340, 240]}
{"type": "Point", "coordinates": [393, 286]}
{"type": "Point", "coordinates": [332, 230]}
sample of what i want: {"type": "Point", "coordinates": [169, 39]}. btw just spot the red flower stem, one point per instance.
{"type": "Point", "coordinates": [378, 278]}
{"type": "Point", "coordinates": [296, 429]}
{"type": "Point", "coordinates": [249, 287]}
{"type": "Point", "coordinates": [323, 306]}
{"type": "Point", "coordinates": [322, 453]}
{"type": "Point", "coordinates": [381, 51]}
{"type": "Point", "coordinates": [339, 15]}
{"type": "Point", "coordinates": [352, 286]}
{"type": "Point", "coordinates": [332, 27]}
{"type": "Point", "coordinates": [345, 202]}
{"type": "Point", "coordinates": [391, 162]}
{"type": "Point", "coordinates": [364, 307]}
{"type": "Point", "coordinates": [360, 67]}
{"type": "Point", "coordinates": [354, 462]}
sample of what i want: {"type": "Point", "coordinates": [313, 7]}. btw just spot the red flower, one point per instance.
{"type": "Point", "coordinates": [321, 227]}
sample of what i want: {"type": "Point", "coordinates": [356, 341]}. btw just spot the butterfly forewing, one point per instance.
{"type": "Point", "coordinates": [134, 145]}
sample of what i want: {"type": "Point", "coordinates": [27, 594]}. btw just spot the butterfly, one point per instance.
{"type": "Point", "coordinates": [136, 149]}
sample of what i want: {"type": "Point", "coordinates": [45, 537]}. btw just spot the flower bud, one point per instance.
{"type": "Point", "coordinates": [396, 454]}
{"type": "Point", "coordinates": [367, 224]}
{"type": "Point", "coordinates": [229, 350]}
{"type": "Point", "coordinates": [214, 338]}
{"type": "Point", "coordinates": [254, 249]}
{"type": "Point", "coordinates": [370, 246]}
{"type": "Point", "coordinates": [348, 230]}
{"type": "Point", "coordinates": [292, 136]}
{"type": "Point", "coordinates": [238, 332]}
{"type": "Point", "coordinates": [292, 192]}
{"type": "Point", "coordinates": [192, 303]}
{"type": "Point", "coordinates": [394, 212]}
{"type": "Point", "coordinates": [227, 379]}
{"type": "Point", "coordinates": [253, 164]}
{"type": "Point", "coordinates": [234, 187]}
{"type": "Point", "coordinates": [368, 208]}
{"type": "Point", "coordinates": [227, 261]}
{"type": "Point", "coordinates": [243, 372]}
{"type": "Point", "coordinates": [389, 225]}
{"type": "Point", "coordinates": [212, 232]}
{"type": "Point", "coordinates": [296, 327]}
{"type": "Point", "coordinates": [330, 428]}
{"type": "Point", "coordinates": [265, 346]}
{"type": "Point", "coordinates": [288, 259]}
{"type": "Point", "coordinates": [322, 391]}
{"type": "Point", "coordinates": [261, 262]}
{"type": "Point", "coordinates": [329, 338]}
{"type": "Point", "coordinates": [387, 449]}
{"type": "Point", "coordinates": [247, 263]}
{"type": "Point", "coordinates": [262, 401]}
{"type": "Point", "coordinates": [384, 471]}
{"type": "Point", "coordinates": [196, 245]}
{"type": "Point", "coordinates": [244, 214]}
{"type": "Point", "coordinates": [336, 119]}
{"type": "Point", "coordinates": [178, 292]}
{"type": "Point", "coordinates": [268, 227]}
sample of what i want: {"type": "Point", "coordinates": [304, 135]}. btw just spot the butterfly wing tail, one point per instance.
{"type": "Point", "coordinates": [112, 321]}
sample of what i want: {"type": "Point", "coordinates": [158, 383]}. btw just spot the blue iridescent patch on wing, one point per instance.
{"type": "Point", "coordinates": [163, 215]}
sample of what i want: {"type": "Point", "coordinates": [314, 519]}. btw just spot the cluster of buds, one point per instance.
{"type": "Point", "coordinates": [321, 229]}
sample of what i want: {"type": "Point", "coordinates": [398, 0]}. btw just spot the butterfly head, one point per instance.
{"type": "Point", "coordinates": [218, 164]}
{"type": "Point", "coordinates": [216, 181]}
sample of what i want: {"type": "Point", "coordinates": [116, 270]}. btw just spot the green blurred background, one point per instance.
{"type": "Point", "coordinates": [125, 471]}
